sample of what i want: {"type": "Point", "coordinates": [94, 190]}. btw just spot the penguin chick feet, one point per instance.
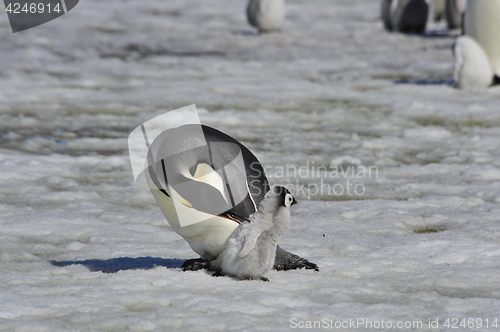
{"type": "Point", "coordinates": [253, 278]}
{"type": "Point", "coordinates": [218, 274]}
{"type": "Point", "coordinates": [287, 261]}
{"type": "Point", "coordinates": [195, 264]}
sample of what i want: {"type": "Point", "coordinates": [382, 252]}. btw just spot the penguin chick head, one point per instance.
{"type": "Point", "coordinates": [285, 196]}
{"type": "Point", "coordinates": [277, 206]}
{"type": "Point", "coordinates": [276, 198]}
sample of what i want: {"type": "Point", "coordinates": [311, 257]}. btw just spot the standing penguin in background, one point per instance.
{"type": "Point", "coordinates": [251, 250]}
{"type": "Point", "coordinates": [454, 11]}
{"type": "Point", "coordinates": [266, 15]}
{"type": "Point", "coordinates": [482, 22]}
{"type": "Point", "coordinates": [405, 15]}
{"type": "Point", "coordinates": [477, 53]}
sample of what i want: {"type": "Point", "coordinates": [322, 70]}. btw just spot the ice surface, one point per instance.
{"type": "Point", "coordinates": [333, 93]}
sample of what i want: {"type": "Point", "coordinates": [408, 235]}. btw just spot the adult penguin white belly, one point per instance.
{"type": "Point", "coordinates": [482, 22]}
{"type": "Point", "coordinates": [206, 183]}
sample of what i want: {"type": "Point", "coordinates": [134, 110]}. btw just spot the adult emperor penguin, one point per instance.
{"type": "Point", "coordinates": [477, 54]}
{"type": "Point", "coordinates": [206, 183]}
{"type": "Point", "coordinates": [405, 15]}
{"type": "Point", "coordinates": [251, 250]}
{"type": "Point", "coordinates": [266, 15]}
{"type": "Point", "coordinates": [482, 22]}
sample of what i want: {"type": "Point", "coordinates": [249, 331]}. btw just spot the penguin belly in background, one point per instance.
{"type": "Point", "coordinates": [482, 22]}
{"type": "Point", "coordinates": [266, 15]}
{"type": "Point", "coordinates": [472, 67]}
{"type": "Point", "coordinates": [477, 53]}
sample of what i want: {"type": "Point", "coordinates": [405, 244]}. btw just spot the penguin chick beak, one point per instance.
{"type": "Point", "coordinates": [294, 201]}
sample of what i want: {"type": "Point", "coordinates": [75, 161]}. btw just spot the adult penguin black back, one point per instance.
{"type": "Point", "coordinates": [206, 183]}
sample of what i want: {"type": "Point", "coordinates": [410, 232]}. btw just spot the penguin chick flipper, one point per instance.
{"type": "Point", "coordinates": [287, 261]}
{"type": "Point", "coordinates": [195, 264]}
{"type": "Point", "coordinates": [249, 239]}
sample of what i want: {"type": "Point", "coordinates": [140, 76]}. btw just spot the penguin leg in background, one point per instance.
{"type": "Point", "coordinates": [287, 261]}
{"type": "Point", "coordinates": [386, 14]}
{"type": "Point", "coordinates": [454, 10]}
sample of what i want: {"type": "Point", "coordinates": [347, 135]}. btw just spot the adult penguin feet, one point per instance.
{"type": "Point", "coordinates": [284, 261]}
{"type": "Point", "coordinates": [195, 264]}
{"type": "Point", "coordinates": [287, 261]}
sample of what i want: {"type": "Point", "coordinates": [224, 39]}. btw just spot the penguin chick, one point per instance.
{"type": "Point", "coordinates": [251, 250]}
{"type": "Point", "coordinates": [266, 15]}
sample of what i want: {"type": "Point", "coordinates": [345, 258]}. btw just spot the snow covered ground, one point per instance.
{"type": "Point", "coordinates": [418, 242]}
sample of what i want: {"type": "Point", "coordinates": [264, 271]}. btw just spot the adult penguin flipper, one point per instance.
{"type": "Point", "coordinates": [287, 261]}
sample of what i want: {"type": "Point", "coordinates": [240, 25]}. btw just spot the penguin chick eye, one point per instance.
{"type": "Point", "coordinates": [288, 200]}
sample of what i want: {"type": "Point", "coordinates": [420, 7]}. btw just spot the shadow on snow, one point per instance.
{"type": "Point", "coordinates": [124, 263]}
{"type": "Point", "coordinates": [449, 82]}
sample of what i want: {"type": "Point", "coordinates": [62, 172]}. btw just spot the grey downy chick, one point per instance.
{"type": "Point", "coordinates": [251, 250]}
